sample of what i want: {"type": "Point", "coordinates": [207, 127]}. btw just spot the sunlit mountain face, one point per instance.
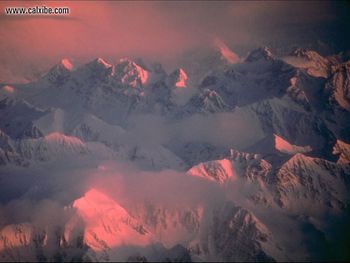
{"type": "Point", "coordinates": [181, 131]}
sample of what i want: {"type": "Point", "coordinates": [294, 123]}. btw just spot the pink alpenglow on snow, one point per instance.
{"type": "Point", "coordinates": [226, 53]}
{"type": "Point", "coordinates": [285, 147]}
{"type": "Point", "coordinates": [106, 220]}
{"type": "Point", "coordinates": [58, 137]}
{"type": "Point", "coordinates": [220, 170]}
{"type": "Point", "coordinates": [8, 89]}
{"type": "Point", "coordinates": [182, 79]}
{"type": "Point", "coordinates": [67, 64]}
{"type": "Point", "coordinates": [178, 131]}
{"type": "Point", "coordinates": [129, 73]}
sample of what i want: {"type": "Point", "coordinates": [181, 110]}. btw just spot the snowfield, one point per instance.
{"type": "Point", "coordinates": [235, 159]}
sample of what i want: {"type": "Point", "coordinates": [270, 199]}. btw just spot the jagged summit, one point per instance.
{"type": "Point", "coordinates": [310, 179]}
{"type": "Point", "coordinates": [208, 101]}
{"type": "Point", "coordinates": [102, 62]}
{"type": "Point", "coordinates": [338, 86]}
{"type": "Point", "coordinates": [262, 53]}
{"type": "Point", "coordinates": [99, 64]}
{"type": "Point", "coordinates": [274, 144]}
{"type": "Point", "coordinates": [130, 73]}
{"type": "Point", "coordinates": [241, 131]}
{"type": "Point", "coordinates": [319, 62]}
{"type": "Point", "coordinates": [218, 170]}
{"type": "Point", "coordinates": [314, 64]}
{"type": "Point", "coordinates": [178, 78]}
{"type": "Point", "coordinates": [17, 117]}
{"type": "Point", "coordinates": [59, 73]}
{"type": "Point", "coordinates": [66, 64]}
{"type": "Point", "coordinates": [306, 53]}
{"type": "Point", "coordinates": [95, 70]}
{"type": "Point", "coordinates": [342, 150]}
{"type": "Point", "coordinates": [212, 101]}
{"type": "Point", "coordinates": [105, 219]}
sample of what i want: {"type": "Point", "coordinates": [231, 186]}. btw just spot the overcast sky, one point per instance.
{"type": "Point", "coordinates": [163, 30]}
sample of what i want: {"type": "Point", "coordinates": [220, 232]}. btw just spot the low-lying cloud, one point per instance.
{"type": "Point", "coordinates": [239, 129]}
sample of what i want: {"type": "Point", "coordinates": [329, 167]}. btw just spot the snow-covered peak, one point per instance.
{"type": "Point", "coordinates": [92, 128]}
{"type": "Point", "coordinates": [274, 144]}
{"type": "Point", "coordinates": [219, 170]}
{"type": "Point", "coordinates": [285, 147]}
{"type": "Point", "coordinates": [315, 181]}
{"type": "Point", "coordinates": [99, 65]}
{"type": "Point", "coordinates": [17, 116]}
{"type": "Point", "coordinates": [226, 53]}
{"type": "Point", "coordinates": [66, 64]}
{"type": "Point", "coordinates": [102, 62]}
{"type": "Point", "coordinates": [178, 78]}
{"type": "Point", "coordinates": [107, 224]}
{"type": "Point", "coordinates": [13, 238]}
{"type": "Point", "coordinates": [314, 64]}
{"type": "Point", "coordinates": [338, 86]}
{"type": "Point", "coordinates": [130, 73]}
{"type": "Point", "coordinates": [208, 101]}
{"type": "Point", "coordinates": [342, 149]}
{"type": "Point", "coordinates": [237, 165]}
{"type": "Point", "coordinates": [262, 53]}
{"type": "Point", "coordinates": [97, 69]}
{"type": "Point", "coordinates": [213, 96]}
{"type": "Point", "coordinates": [8, 89]}
{"type": "Point", "coordinates": [308, 54]}
{"type": "Point", "coordinates": [94, 202]}
{"type": "Point", "coordinates": [59, 73]}
{"type": "Point", "coordinates": [51, 147]}
{"type": "Point", "coordinates": [231, 229]}
{"type": "Point", "coordinates": [296, 92]}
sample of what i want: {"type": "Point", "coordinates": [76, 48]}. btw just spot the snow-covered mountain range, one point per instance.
{"type": "Point", "coordinates": [270, 136]}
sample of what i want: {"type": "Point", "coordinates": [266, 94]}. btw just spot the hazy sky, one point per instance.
{"type": "Point", "coordinates": [163, 30]}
